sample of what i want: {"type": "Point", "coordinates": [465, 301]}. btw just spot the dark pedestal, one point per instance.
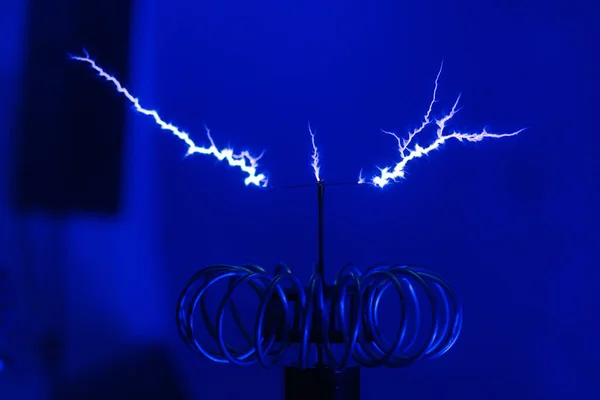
{"type": "Point", "coordinates": [321, 384]}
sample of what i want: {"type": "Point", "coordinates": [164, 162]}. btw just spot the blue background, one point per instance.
{"type": "Point", "coordinates": [512, 223]}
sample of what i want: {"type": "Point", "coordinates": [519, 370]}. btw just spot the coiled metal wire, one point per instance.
{"type": "Point", "coordinates": [342, 315]}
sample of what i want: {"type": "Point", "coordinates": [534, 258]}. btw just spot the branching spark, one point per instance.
{"type": "Point", "coordinates": [408, 154]}
{"type": "Point", "coordinates": [244, 161]}
{"type": "Point", "coordinates": [315, 155]}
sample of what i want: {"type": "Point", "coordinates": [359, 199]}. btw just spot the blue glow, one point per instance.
{"type": "Point", "coordinates": [513, 224]}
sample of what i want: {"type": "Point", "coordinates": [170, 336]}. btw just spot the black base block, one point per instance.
{"type": "Point", "coordinates": [321, 383]}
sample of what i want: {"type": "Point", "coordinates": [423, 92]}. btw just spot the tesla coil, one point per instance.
{"type": "Point", "coordinates": [324, 332]}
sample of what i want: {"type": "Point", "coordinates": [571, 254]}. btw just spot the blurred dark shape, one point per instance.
{"type": "Point", "coordinates": [142, 374]}
{"type": "Point", "coordinates": [4, 301]}
{"type": "Point", "coordinates": [4, 321]}
{"type": "Point", "coordinates": [321, 383]}
{"type": "Point", "coordinates": [71, 125]}
{"type": "Point", "coordinates": [51, 349]}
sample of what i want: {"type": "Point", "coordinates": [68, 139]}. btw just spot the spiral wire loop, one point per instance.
{"type": "Point", "coordinates": [350, 307]}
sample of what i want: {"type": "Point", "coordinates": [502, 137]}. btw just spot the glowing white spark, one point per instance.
{"type": "Point", "coordinates": [244, 161]}
{"type": "Point", "coordinates": [408, 154]}
{"type": "Point", "coordinates": [361, 179]}
{"type": "Point", "coordinates": [315, 155]}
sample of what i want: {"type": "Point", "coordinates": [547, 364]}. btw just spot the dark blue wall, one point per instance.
{"type": "Point", "coordinates": [513, 223]}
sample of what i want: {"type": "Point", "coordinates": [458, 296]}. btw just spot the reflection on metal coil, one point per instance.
{"type": "Point", "coordinates": [342, 320]}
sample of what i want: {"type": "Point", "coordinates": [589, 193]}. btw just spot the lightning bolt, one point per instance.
{"type": "Point", "coordinates": [315, 155]}
{"type": "Point", "coordinates": [408, 153]}
{"type": "Point", "coordinates": [243, 161]}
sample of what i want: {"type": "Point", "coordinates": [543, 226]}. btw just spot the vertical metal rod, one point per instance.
{"type": "Point", "coordinates": [320, 194]}
{"type": "Point", "coordinates": [320, 262]}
